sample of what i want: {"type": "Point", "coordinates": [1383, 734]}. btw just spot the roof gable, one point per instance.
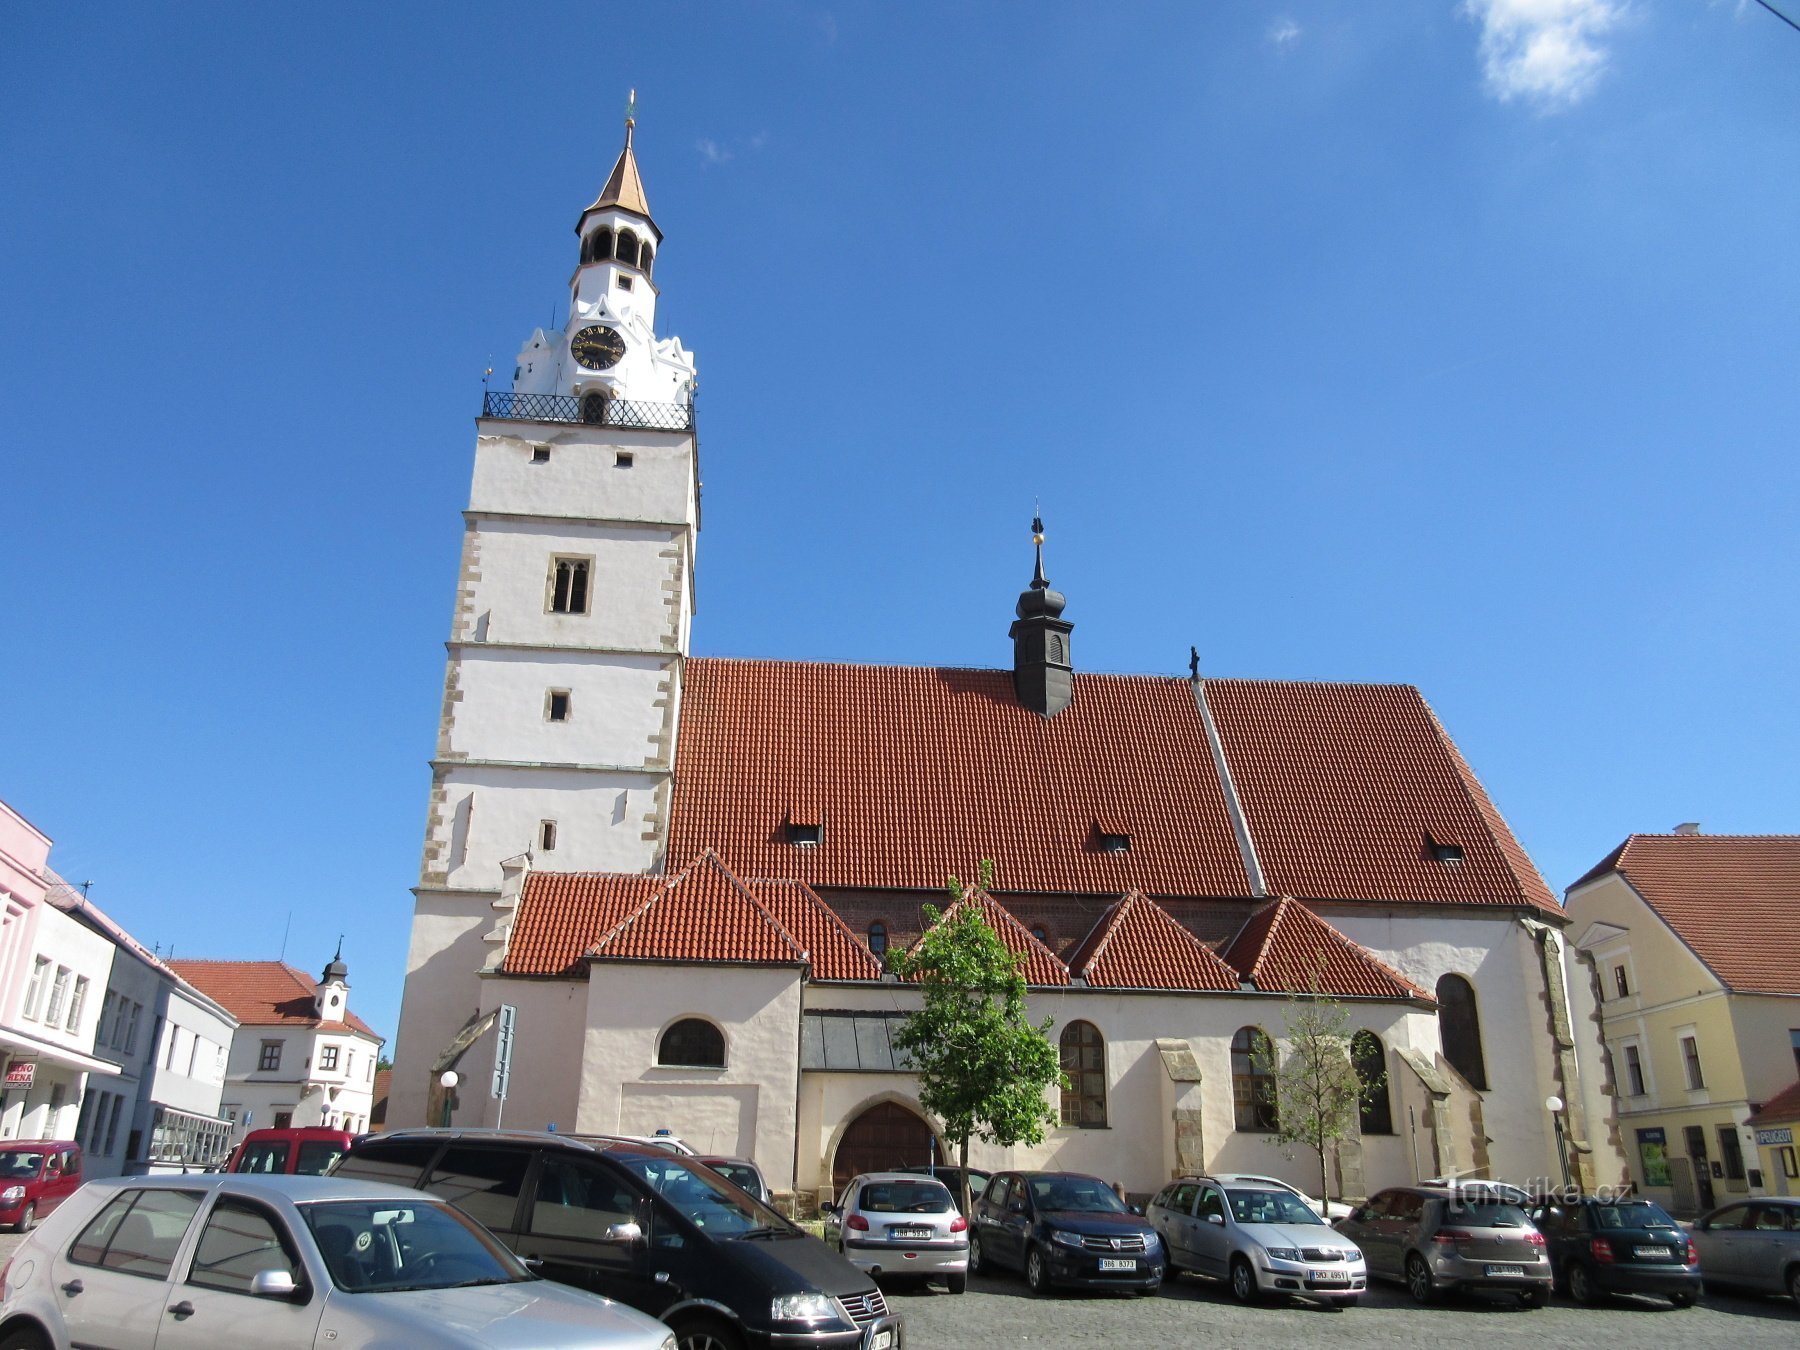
{"type": "Point", "coordinates": [825, 938]}
{"type": "Point", "coordinates": [704, 913]}
{"type": "Point", "coordinates": [263, 993]}
{"type": "Point", "coordinates": [1285, 948]}
{"type": "Point", "coordinates": [1780, 1109]}
{"type": "Point", "coordinates": [1138, 945]}
{"type": "Point", "coordinates": [1040, 967]}
{"type": "Point", "coordinates": [561, 914]}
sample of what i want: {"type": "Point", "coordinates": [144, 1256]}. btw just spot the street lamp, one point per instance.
{"type": "Point", "coordinates": [1554, 1105]}
{"type": "Point", "coordinates": [449, 1079]}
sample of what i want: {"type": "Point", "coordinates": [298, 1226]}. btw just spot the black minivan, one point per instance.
{"type": "Point", "coordinates": [656, 1230]}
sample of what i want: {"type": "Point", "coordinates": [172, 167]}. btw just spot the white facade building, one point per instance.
{"type": "Point", "coordinates": [51, 1036]}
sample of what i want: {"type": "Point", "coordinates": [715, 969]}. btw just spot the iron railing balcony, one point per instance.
{"type": "Point", "coordinates": [624, 413]}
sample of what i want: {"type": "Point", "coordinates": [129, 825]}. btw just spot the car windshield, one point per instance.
{"type": "Point", "coordinates": [738, 1174]}
{"type": "Point", "coordinates": [388, 1246]}
{"type": "Point", "coordinates": [1631, 1214]}
{"type": "Point", "coordinates": [266, 1156]}
{"type": "Point", "coordinates": [905, 1197]}
{"type": "Point", "coordinates": [18, 1162]}
{"type": "Point", "coordinates": [1083, 1195]}
{"type": "Point", "coordinates": [698, 1197]}
{"type": "Point", "coordinates": [1270, 1206]}
{"type": "Point", "coordinates": [318, 1156]}
{"type": "Point", "coordinates": [1485, 1214]}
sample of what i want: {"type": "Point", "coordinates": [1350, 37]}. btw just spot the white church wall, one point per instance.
{"type": "Point", "coordinates": [583, 470]}
{"type": "Point", "coordinates": [549, 1024]}
{"type": "Point", "coordinates": [505, 706]}
{"type": "Point", "coordinates": [442, 990]}
{"type": "Point", "coordinates": [493, 813]}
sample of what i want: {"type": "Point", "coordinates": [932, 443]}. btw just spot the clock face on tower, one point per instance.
{"type": "Point", "coordinates": [598, 347]}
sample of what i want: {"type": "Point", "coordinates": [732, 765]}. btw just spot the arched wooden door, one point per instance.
{"type": "Point", "coordinates": [885, 1136]}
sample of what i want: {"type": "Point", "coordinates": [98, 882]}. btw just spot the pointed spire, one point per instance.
{"type": "Point", "coordinates": [624, 187]}
{"type": "Point", "coordinates": [1042, 676]}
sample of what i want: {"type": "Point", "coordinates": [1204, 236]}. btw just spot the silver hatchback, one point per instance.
{"type": "Point", "coordinates": [899, 1223]}
{"type": "Point", "coordinates": [1434, 1240]}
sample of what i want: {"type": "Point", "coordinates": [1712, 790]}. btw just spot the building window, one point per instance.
{"type": "Point", "coordinates": [1634, 1072]}
{"type": "Point", "coordinates": [692, 1043]}
{"type": "Point", "coordinates": [1041, 933]}
{"type": "Point", "coordinates": [1253, 1080]}
{"type": "Point", "coordinates": [593, 407]}
{"type": "Point", "coordinates": [1369, 1058]}
{"type": "Point", "coordinates": [131, 1027]}
{"type": "Point", "coordinates": [1790, 1162]}
{"type": "Point", "coordinates": [328, 1057]}
{"type": "Point", "coordinates": [645, 258]}
{"type": "Point", "coordinates": [1084, 1062]}
{"type": "Point", "coordinates": [624, 282]}
{"type": "Point", "coordinates": [1621, 981]}
{"type": "Point", "coordinates": [547, 836]}
{"type": "Point", "coordinates": [1794, 1040]}
{"type": "Point", "coordinates": [569, 585]}
{"type": "Point", "coordinates": [75, 1004]}
{"type": "Point", "coordinates": [1731, 1152]}
{"type": "Point", "coordinates": [805, 834]}
{"type": "Point", "coordinates": [59, 993]}
{"type": "Point", "coordinates": [556, 705]}
{"type": "Point", "coordinates": [35, 993]}
{"type": "Point", "coordinates": [1690, 1059]}
{"type": "Point", "coordinates": [624, 459]}
{"type": "Point", "coordinates": [270, 1058]}
{"type": "Point", "coordinates": [627, 250]}
{"type": "Point", "coordinates": [1459, 1026]}
{"type": "Point", "coordinates": [878, 938]}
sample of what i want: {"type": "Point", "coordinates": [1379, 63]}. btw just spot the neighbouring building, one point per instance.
{"type": "Point", "coordinates": [159, 1109]}
{"type": "Point", "coordinates": [1695, 942]}
{"type": "Point", "coordinates": [1774, 1123]}
{"type": "Point", "coordinates": [299, 1056]}
{"type": "Point", "coordinates": [685, 873]}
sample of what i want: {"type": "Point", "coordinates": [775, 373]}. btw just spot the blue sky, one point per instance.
{"type": "Point", "coordinates": [1449, 344]}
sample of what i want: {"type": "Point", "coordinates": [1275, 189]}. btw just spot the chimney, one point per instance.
{"type": "Point", "coordinates": [1688, 827]}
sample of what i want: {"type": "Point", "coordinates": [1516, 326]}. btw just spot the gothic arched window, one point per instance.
{"type": "Point", "coordinates": [1369, 1058]}
{"type": "Point", "coordinates": [598, 247]}
{"type": "Point", "coordinates": [1253, 1080]}
{"type": "Point", "coordinates": [627, 248]}
{"type": "Point", "coordinates": [645, 256]}
{"type": "Point", "coordinates": [1084, 1061]}
{"type": "Point", "coordinates": [878, 937]}
{"type": "Point", "coordinates": [1459, 1025]}
{"type": "Point", "coordinates": [692, 1043]}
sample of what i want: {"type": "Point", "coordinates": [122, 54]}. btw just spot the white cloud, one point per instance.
{"type": "Point", "coordinates": [1284, 32]}
{"type": "Point", "coordinates": [711, 152]}
{"type": "Point", "coordinates": [1548, 52]}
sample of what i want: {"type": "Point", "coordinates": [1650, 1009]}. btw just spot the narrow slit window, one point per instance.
{"type": "Point", "coordinates": [623, 459]}
{"type": "Point", "coordinates": [624, 282]}
{"type": "Point", "coordinates": [556, 705]}
{"type": "Point", "coordinates": [569, 586]}
{"type": "Point", "coordinates": [546, 836]}
{"type": "Point", "coordinates": [540, 454]}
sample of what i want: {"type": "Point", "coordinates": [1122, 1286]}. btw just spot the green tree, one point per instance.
{"type": "Point", "coordinates": [983, 1068]}
{"type": "Point", "coordinates": [1318, 1096]}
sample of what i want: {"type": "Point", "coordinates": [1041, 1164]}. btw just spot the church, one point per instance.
{"type": "Point", "coordinates": [684, 873]}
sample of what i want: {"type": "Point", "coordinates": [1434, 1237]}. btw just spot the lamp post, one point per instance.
{"type": "Point", "coordinates": [449, 1079]}
{"type": "Point", "coordinates": [1554, 1105]}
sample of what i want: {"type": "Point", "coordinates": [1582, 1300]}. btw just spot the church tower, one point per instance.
{"type": "Point", "coordinates": [573, 604]}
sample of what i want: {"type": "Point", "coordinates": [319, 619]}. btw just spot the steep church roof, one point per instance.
{"type": "Point", "coordinates": [917, 773]}
{"type": "Point", "coordinates": [1137, 945]}
{"type": "Point", "coordinates": [1041, 966]}
{"type": "Point", "coordinates": [705, 913]}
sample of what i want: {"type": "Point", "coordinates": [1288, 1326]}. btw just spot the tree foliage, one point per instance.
{"type": "Point", "coordinates": [983, 1067]}
{"type": "Point", "coordinates": [1318, 1096]}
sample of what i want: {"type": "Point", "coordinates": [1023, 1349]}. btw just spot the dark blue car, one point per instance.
{"type": "Point", "coordinates": [1601, 1247]}
{"type": "Point", "coordinates": [1063, 1229]}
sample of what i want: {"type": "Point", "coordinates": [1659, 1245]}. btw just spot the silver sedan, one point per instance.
{"type": "Point", "coordinates": [287, 1263]}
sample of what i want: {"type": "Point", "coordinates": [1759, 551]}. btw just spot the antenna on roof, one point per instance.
{"type": "Point", "coordinates": [284, 934]}
{"type": "Point", "coordinates": [84, 888]}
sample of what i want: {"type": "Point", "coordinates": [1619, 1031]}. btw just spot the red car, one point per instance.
{"type": "Point", "coordinates": [310, 1150]}
{"type": "Point", "coordinates": [36, 1175]}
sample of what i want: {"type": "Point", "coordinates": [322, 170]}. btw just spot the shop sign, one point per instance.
{"type": "Point", "coordinates": [1781, 1135]}
{"type": "Point", "coordinates": [21, 1073]}
{"type": "Point", "coordinates": [1653, 1154]}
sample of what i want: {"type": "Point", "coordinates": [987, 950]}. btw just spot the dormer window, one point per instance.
{"type": "Point", "coordinates": [1448, 854]}
{"type": "Point", "coordinates": [805, 827]}
{"type": "Point", "coordinates": [1111, 837]}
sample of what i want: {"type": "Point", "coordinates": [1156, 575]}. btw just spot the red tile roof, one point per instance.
{"type": "Point", "coordinates": [262, 993]}
{"type": "Point", "coordinates": [702, 914]}
{"type": "Point", "coordinates": [562, 914]}
{"type": "Point", "coordinates": [1137, 945]}
{"type": "Point", "coordinates": [1733, 899]}
{"type": "Point", "coordinates": [827, 940]}
{"type": "Point", "coordinates": [917, 773]}
{"type": "Point", "coordinates": [1783, 1107]}
{"type": "Point", "coordinates": [1041, 965]}
{"type": "Point", "coordinates": [1285, 948]}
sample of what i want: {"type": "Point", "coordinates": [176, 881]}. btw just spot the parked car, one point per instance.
{"type": "Point", "coordinates": [1601, 1247]}
{"type": "Point", "coordinates": [1260, 1237]}
{"type": "Point", "coordinates": [1326, 1207]}
{"type": "Point", "coordinates": [653, 1229]}
{"type": "Point", "coordinates": [897, 1223]}
{"type": "Point", "coordinates": [1501, 1190]}
{"type": "Point", "coordinates": [1063, 1229]}
{"type": "Point", "coordinates": [306, 1151]}
{"type": "Point", "coordinates": [662, 1139]}
{"type": "Point", "coordinates": [741, 1172]}
{"type": "Point", "coordinates": [217, 1262]}
{"type": "Point", "coordinates": [951, 1176]}
{"type": "Point", "coordinates": [1753, 1245]}
{"type": "Point", "coordinates": [36, 1175]}
{"type": "Point", "coordinates": [1434, 1240]}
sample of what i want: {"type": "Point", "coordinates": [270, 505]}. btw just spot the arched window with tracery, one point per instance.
{"type": "Point", "coordinates": [1084, 1061]}
{"type": "Point", "coordinates": [1253, 1080]}
{"type": "Point", "coordinates": [1459, 1026]}
{"type": "Point", "coordinates": [692, 1043]}
{"type": "Point", "coordinates": [1369, 1058]}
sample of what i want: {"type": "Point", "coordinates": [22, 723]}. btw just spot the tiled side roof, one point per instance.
{"type": "Point", "coordinates": [262, 993]}
{"type": "Point", "coordinates": [1137, 945]}
{"type": "Point", "coordinates": [703, 914]}
{"type": "Point", "coordinates": [826, 939]}
{"type": "Point", "coordinates": [562, 914]}
{"type": "Point", "coordinates": [1287, 949]}
{"type": "Point", "coordinates": [1341, 784]}
{"type": "Point", "coordinates": [1041, 966]}
{"type": "Point", "coordinates": [1734, 899]}
{"type": "Point", "coordinates": [1783, 1107]}
{"type": "Point", "coordinates": [917, 773]}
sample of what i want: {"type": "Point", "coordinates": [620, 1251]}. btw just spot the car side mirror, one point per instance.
{"type": "Point", "coordinates": [1216, 1218]}
{"type": "Point", "coordinates": [622, 1233]}
{"type": "Point", "coordinates": [1137, 1209]}
{"type": "Point", "coordinates": [273, 1284]}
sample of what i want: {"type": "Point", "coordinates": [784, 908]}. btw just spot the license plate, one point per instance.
{"type": "Point", "coordinates": [908, 1234]}
{"type": "Point", "coordinates": [882, 1340]}
{"type": "Point", "coordinates": [1505, 1270]}
{"type": "Point", "coordinates": [1660, 1253]}
{"type": "Point", "coordinates": [1331, 1277]}
{"type": "Point", "coordinates": [1118, 1263]}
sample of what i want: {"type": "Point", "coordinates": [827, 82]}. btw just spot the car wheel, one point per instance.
{"type": "Point", "coordinates": [1037, 1272]}
{"type": "Point", "coordinates": [27, 1219]}
{"type": "Point", "coordinates": [976, 1266]}
{"type": "Point", "coordinates": [957, 1283]}
{"type": "Point", "coordinates": [1531, 1298]}
{"type": "Point", "coordinates": [1581, 1285]}
{"type": "Point", "coordinates": [705, 1333]}
{"type": "Point", "coordinates": [24, 1338]}
{"type": "Point", "coordinates": [1681, 1300]}
{"type": "Point", "coordinates": [1793, 1283]}
{"type": "Point", "coordinates": [1243, 1281]}
{"type": "Point", "coordinates": [1418, 1280]}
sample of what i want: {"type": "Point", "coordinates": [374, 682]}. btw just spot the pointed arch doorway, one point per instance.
{"type": "Point", "coordinates": [885, 1136]}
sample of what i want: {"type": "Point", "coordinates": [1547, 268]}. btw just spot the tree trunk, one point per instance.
{"type": "Point", "coordinates": [962, 1182]}
{"type": "Point", "coordinates": [1324, 1185]}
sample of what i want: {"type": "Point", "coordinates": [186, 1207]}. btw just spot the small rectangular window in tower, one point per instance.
{"type": "Point", "coordinates": [556, 705]}
{"type": "Point", "coordinates": [540, 454]}
{"type": "Point", "coordinates": [623, 459]}
{"type": "Point", "coordinates": [547, 836]}
{"type": "Point", "coordinates": [1622, 981]}
{"type": "Point", "coordinates": [624, 282]}
{"type": "Point", "coordinates": [569, 585]}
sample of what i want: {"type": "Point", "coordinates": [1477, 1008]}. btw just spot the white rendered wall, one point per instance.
{"type": "Point", "coordinates": [442, 991]}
